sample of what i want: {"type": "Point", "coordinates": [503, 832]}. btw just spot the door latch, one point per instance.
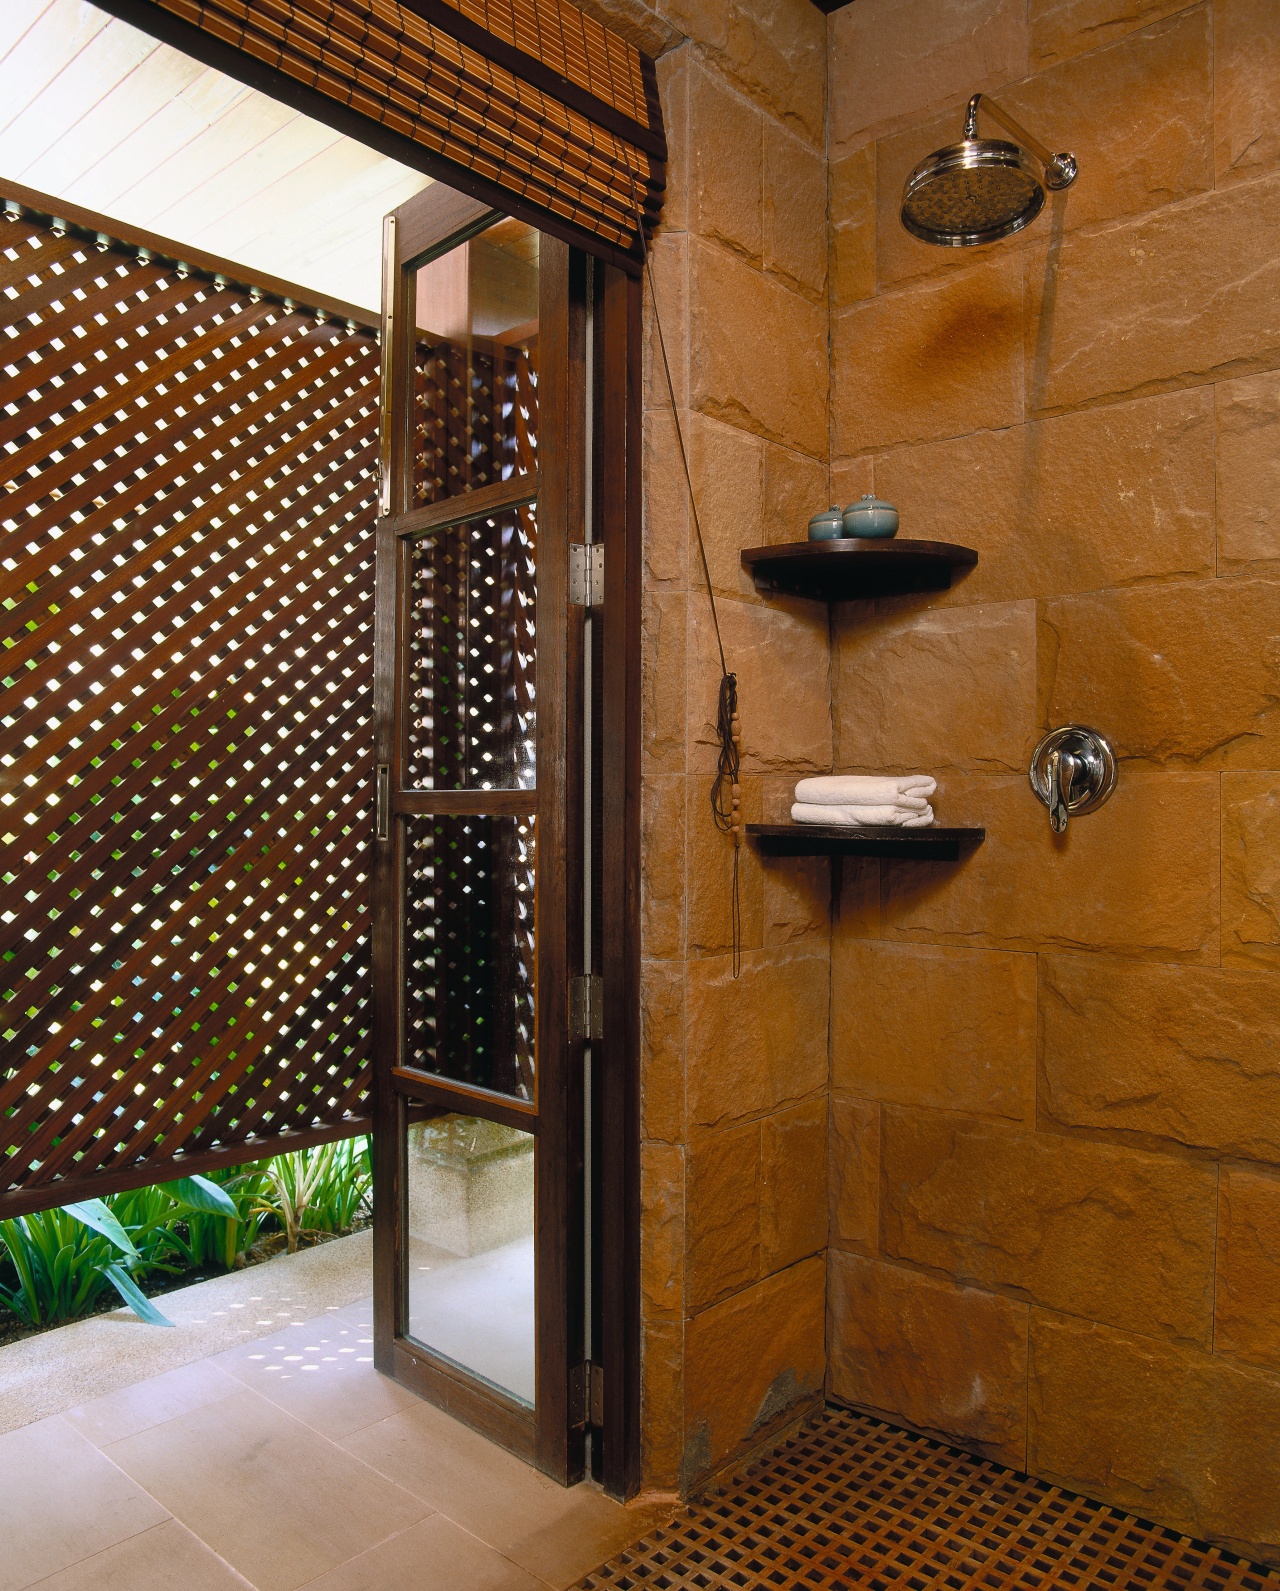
{"type": "Point", "coordinates": [586, 574]}
{"type": "Point", "coordinates": [586, 1007]}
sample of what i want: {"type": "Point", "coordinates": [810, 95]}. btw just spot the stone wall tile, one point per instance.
{"type": "Point", "coordinates": [1248, 435]}
{"type": "Point", "coordinates": [946, 1360]}
{"type": "Point", "coordinates": [1251, 869]}
{"type": "Point", "coordinates": [726, 165]}
{"type": "Point", "coordinates": [1246, 82]}
{"type": "Point", "coordinates": [853, 226]}
{"type": "Point", "coordinates": [710, 872]}
{"type": "Point", "coordinates": [1188, 293]}
{"type": "Point", "coordinates": [939, 358]}
{"type": "Point", "coordinates": [924, 1025]}
{"type": "Point", "coordinates": [662, 665]}
{"type": "Point", "coordinates": [673, 71]}
{"type": "Point", "coordinates": [1112, 1234]}
{"type": "Point", "coordinates": [793, 1185]}
{"type": "Point", "coordinates": [938, 688]}
{"type": "Point", "coordinates": [892, 59]}
{"type": "Point", "coordinates": [1189, 1054]}
{"type": "Point", "coordinates": [1159, 150]}
{"type": "Point", "coordinates": [777, 53]}
{"type": "Point", "coordinates": [661, 1402]}
{"type": "Point", "coordinates": [851, 479]}
{"type": "Point", "coordinates": [663, 887]}
{"type": "Point", "coordinates": [856, 898]}
{"type": "Point", "coordinates": [662, 1230]}
{"type": "Point", "coordinates": [749, 1360]}
{"type": "Point", "coordinates": [669, 268]}
{"type": "Point", "coordinates": [1247, 1300]}
{"type": "Point", "coordinates": [1061, 29]}
{"type": "Point", "coordinates": [1101, 498]}
{"type": "Point", "coordinates": [759, 1041]}
{"type": "Point", "coordinates": [724, 1213]}
{"type": "Point", "coordinates": [781, 654]}
{"type": "Point", "coordinates": [736, 313]}
{"type": "Point", "coordinates": [1166, 1432]}
{"type": "Point", "coordinates": [797, 896]}
{"type": "Point", "coordinates": [1179, 673]}
{"type": "Point", "coordinates": [667, 527]}
{"type": "Point", "coordinates": [1111, 884]}
{"type": "Point", "coordinates": [854, 1185]}
{"type": "Point", "coordinates": [795, 211]}
{"type": "Point", "coordinates": [795, 488]}
{"type": "Point", "coordinates": [662, 1051]}
{"type": "Point", "coordinates": [727, 467]}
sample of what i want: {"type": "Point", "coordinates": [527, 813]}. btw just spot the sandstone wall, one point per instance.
{"type": "Point", "coordinates": [734, 1073]}
{"type": "Point", "coordinates": [1055, 1068]}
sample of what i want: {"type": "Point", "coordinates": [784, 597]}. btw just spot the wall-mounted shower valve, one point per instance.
{"type": "Point", "coordinates": [1073, 771]}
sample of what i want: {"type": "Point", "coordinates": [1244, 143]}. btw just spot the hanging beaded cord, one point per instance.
{"type": "Point", "coordinates": [726, 792]}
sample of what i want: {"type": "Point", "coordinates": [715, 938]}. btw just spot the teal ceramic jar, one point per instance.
{"type": "Point", "coordinates": [826, 526]}
{"type": "Point", "coordinates": [870, 517]}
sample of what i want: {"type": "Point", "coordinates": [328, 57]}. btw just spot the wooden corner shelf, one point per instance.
{"type": "Point", "coordinates": [853, 567]}
{"type": "Point", "coordinates": [821, 839]}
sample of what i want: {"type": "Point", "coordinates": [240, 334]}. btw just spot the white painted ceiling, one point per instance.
{"type": "Point", "coordinates": [99, 114]}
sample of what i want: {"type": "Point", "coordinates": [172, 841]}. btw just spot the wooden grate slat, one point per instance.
{"type": "Point", "coordinates": [185, 741]}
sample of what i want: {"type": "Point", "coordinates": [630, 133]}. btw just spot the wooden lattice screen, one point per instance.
{"type": "Point", "coordinates": [185, 745]}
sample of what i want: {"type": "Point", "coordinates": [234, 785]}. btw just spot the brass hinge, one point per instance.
{"type": "Point", "coordinates": [586, 1007]}
{"type": "Point", "coordinates": [586, 574]}
{"type": "Point", "coordinates": [586, 1396]}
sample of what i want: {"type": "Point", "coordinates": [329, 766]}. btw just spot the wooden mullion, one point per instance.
{"type": "Point", "coordinates": [478, 503]}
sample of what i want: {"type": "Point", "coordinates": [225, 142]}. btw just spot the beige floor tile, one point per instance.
{"type": "Point", "coordinates": [61, 1500]}
{"type": "Point", "coordinates": [554, 1532]}
{"type": "Point", "coordinates": [152, 1402]}
{"type": "Point", "coordinates": [165, 1558]}
{"type": "Point", "coordinates": [279, 1502]}
{"type": "Point", "coordinates": [360, 1313]}
{"type": "Point", "coordinates": [436, 1555]}
{"type": "Point", "coordinates": [321, 1373]}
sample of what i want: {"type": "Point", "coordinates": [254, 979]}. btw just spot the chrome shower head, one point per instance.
{"type": "Point", "coordinates": [982, 189]}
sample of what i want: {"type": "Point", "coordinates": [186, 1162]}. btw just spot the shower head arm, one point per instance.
{"type": "Point", "coordinates": [1059, 170]}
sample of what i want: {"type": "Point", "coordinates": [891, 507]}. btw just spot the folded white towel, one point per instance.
{"type": "Point", "coordinates": [849, 790]}
{"type": "Point", "coordinates": [854, 817]}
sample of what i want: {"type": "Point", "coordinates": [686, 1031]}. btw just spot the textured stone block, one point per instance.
{"type": "Point", "coordinates": [662, 1051]}
{"type": "Point", "coordinates": [853, 226]}
{"type": "Point", "coordinates": [669, 266]}
{"type": "Point", "coordinates": [1166, 1432]}
{"type": "Point", "coordinates": [793, 1185]}
{"type": "Point", "coordinates": [662, 892]}
{"type": "Point", "coordinates": [1190, 1054]}
{"type": "Point", "coordinates": [1161, 149]}
{"type": "Point", "coordinates": [893, 59]}
{"type": "Point", "coordinates": [1109, 884]}
{"type": "Point", "coordinates": [759, 1041]}
{"type": "Point", "coordinates": [1063, 28]}
{"type": "Point", "coordinates": [662, 677]}
{"type": "Point", "coordinates": [736, 311]}
{"type": "Point", "coordinates": [937, 688]}
{"type": "Point", "coordinates": [662, 1230]}
{"type": "Point", "coordinates": [666, 510]}
{"type": "Point", "coordinates": [709, 876]}
{"type": "Point", "coordinates": [919, 1025]}
{"type": "Point", "coordinates": [1247, 1299]}
{"type": "Point", "coordinates": [723, 1213]}
{"type": "Point", "coordinates": [950, 1361]}
{"type": "Point", "coordinates": [661, 1403]}
{"type": "Point", "coordinates": [1251, 869]}
{"type": "Point", "coordinates": [797, 896]}
{"type": "Point", "coordinates": [1114, 1234]}
{"type": "Point", "coordinates": [776, 53]}
{"type": "Point", "coordinates": [1032, 499]}
{"type": "Point", "coordinates": [1248, 416]}
{"type": "Point", "coordinates": [781, 655]}
{"type": "Point", "coordinates": [795, 488]}
{"type": "Point", "coordinates": [726, 164]}
{"type": "Point", "coordinates": [854, 1183]}
{"type": "Point", "coordinates": [1246, 72]}
{"type": "Point", "coordinates": [939, 358]}
{"type": "Point", "coordinates": [1187, 672]}
{"type": "Point", "coordinates": [795, 211]}
{"type": "Point", "coordinates": [748, 1360]}
{"type": "Point", "coordinates": [727, 466]}
{"type": "Point", "coordinates": [1189, 292]}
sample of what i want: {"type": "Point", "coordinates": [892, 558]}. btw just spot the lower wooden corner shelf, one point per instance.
{"type": "Point", "coordinates": [822, 839]}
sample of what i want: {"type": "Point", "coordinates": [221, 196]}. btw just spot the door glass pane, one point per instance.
{"type": "Point", "coordinates": [470, 1247]}
{"type": "Point", "coordinates": [472, 657]}
{"type": "Point", "coordinates": [476, 390]}
{"type": "Point", "coordinates": [469, 950]}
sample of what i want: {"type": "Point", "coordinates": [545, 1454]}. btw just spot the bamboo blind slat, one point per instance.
{"type": "Point", "coordinates": [186, 583]}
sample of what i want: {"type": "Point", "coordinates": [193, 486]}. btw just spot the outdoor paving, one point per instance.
{"type": "Point", "coordinates": [276, 1462]}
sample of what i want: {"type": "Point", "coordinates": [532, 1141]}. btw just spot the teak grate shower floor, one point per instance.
{"type": "Point", "coordinates": [853, 1502]}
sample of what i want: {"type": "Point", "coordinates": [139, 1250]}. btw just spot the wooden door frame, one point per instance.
{"type": "Point", "coordinates": [420, 229]}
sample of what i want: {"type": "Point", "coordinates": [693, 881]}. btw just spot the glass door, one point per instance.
{"type": "Point", "coordinates": [478, 851]}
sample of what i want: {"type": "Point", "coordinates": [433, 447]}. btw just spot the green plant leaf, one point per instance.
{"type": "Point", "coordinates": [198, 1193]}
{"type": "Point", "coordinates": [137, 1300]}
{"type": "Point", "coordinates": [96, 1215]}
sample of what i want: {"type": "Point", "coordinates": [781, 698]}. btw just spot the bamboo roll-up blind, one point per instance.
{"type": "Point", "coordinates": [186, 587]}
{"type": "Point", "coordinates": [527, 104]}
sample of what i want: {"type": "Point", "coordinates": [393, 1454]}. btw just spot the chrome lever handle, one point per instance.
{"type": "Point", "coordinates": [1059, 770]}
{"type": "Point", "coordinates": [1073, 771]}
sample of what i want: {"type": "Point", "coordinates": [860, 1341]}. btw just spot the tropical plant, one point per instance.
{"type": "Point", "coordinates": [324, 1189]}
{"type": "Point", "coordinates": [217, 1239]}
